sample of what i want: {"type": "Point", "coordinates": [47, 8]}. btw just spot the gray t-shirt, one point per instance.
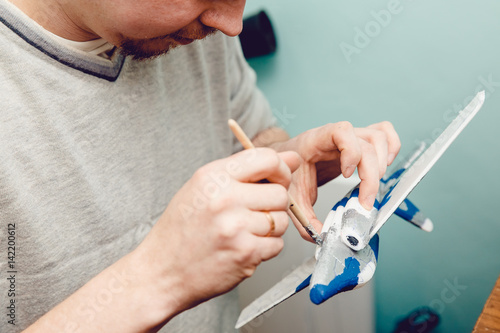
{"type": "Point", "coordinates": [92, 151]}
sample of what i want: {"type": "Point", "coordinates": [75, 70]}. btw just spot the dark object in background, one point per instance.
{"type": "Point", "coordinates": [257, 37]}
{"type": "Point", "coordinates": [421, 320]}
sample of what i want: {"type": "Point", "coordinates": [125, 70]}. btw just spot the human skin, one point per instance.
{"type": "Point", "coordinates": [153, 25]}
{"type": "Point", "coordinates": [148, 284]}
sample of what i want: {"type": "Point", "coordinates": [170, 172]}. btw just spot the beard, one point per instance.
{"type": "Point", "coordinates": [146, 49]}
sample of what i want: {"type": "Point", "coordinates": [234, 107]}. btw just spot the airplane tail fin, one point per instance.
{"type": "Point", "coordinates": [408, 211]}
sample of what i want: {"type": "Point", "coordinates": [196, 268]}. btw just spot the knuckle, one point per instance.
{"type": "Point", "coordinates": [354, 155]}
{"type": "Point", "coordinates": [330, 127]}
{"type": "Point", "coordinates": [271, 158]}
{"type": "Point", "coordinates": [220, 203]}
{"type": "Point", "coordinates": [345, 125]}
{"type": "Point", "coordinates": [249, 271]}
{"type": "Point", "coordinates": [380, 136]}
{"type": "Point", "coordinates": [281, 197]}
{"type": "Point", "coordinates": [227, 231]}
{"type": "Point", "coordinates": [387, 125]}
{"type": "Point", "coordinates": [341, 126]}
{"type": "Point", "coordinates": [247, 255]}
{"type": "Point", "coordinates": [367, 148]}
{"type": "Point", "coordinates": [201, 175]}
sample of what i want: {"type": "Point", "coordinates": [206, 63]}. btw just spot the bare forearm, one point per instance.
{"type": "Point", "coordinates": [120, 299]}
{"type": "Point", "coordinates": [277, 139]}
{"type": "Point", "coordinates": [270, 137]}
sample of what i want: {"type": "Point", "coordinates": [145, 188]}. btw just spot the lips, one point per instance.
{"type": "Point", "coordinates": [182, 40]}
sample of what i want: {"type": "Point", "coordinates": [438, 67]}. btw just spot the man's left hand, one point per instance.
{"type": "Point", "coordinates": [335, 149]}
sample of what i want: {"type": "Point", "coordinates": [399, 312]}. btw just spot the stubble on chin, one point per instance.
{"type": "Point", "coordinates": [147, 49]}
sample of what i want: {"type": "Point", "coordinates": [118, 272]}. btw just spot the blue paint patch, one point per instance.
{"type": "Point", "coordinates": [385, 199]}
{"type": "Point", "coordinates": [374, 242]}
{"type": "Point", "coordinates": [387, 196]}
{"type": "Point", "coordinates": [395, 175]}
{"type": "Point", "coordinates": [408, 214]}
{"type": "Point", "coordinates": [343, 282]}
{"type": "Point", "coordinates": [304, 284]}
{"type": "Point", "coordinates": [354, 194]}
{"type": "Point", "coordinates": [342, 203]}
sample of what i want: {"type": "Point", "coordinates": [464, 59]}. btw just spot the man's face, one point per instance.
{"type": "Point", "coordinates": [148, 28]}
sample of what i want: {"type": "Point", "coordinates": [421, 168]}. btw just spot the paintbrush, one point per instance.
{"type": "Point", "coordinates": [294, 207]}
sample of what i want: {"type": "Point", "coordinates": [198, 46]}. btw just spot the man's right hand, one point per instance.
{"type": "Point", "coordinates": [212, 234]}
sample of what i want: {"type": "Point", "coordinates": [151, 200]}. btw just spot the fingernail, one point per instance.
{"type": "Point", "coordinates": [349, 170]}
{"type": "Point", "coordinates": [368, 202]}
{"type": "Point", "coordinates": [390, 158]}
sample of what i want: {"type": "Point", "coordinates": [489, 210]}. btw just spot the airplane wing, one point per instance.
{"type": "Point", "coordinates": [289, 286]}
{"type": "Point", "coordinates": [414, 174]}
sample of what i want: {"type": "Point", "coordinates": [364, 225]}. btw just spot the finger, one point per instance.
{"type": "Point", "coordinates": [259, 223]}
{"type": "Point", "coordinates": [393, 141]}
{"type": "Point", "coordinates": [304, 200]}
{"type": "Point", "coordinates": [269, 247]}
{"type": "Point", "coordinates": [369, 175]}
{"type": "Point", "coordinates": [378, 139]}
{"type": "Point", "coordinates": [335, 138]}
{"type": "Point", "coordinates": [292, 159]}
{"type": "Point", "coordinates": [256, 164]}
{"type": "Point", "coordinates": [316, 224]}
{"type": "Point", "coordinates": [262, 197]}
{"type": "Point", "coordinates": [239, 221]}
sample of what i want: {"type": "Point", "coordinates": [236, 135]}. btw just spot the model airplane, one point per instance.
{"type": "Point", "coordinates": [348, 255]}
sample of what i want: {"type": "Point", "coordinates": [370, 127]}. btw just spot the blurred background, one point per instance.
{"type": "Point", "coordinates": [414, 63]}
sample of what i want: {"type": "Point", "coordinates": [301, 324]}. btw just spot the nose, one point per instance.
{"type": "Point", "coordinates": [225, 15]}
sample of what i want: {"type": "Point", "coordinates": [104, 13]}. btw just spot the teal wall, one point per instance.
{"type": "Point", "coordinates": [425, 62]}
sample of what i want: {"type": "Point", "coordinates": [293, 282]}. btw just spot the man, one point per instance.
{"type": "Point", "coordinates": [124, 205]}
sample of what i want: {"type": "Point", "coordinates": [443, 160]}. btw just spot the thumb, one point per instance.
{"type": "Point", "coordinates": [316, 224]}
{"type": "Point", "coordinates": [292, 159]}
{"type": "Point", "coordinates": [303, 200]}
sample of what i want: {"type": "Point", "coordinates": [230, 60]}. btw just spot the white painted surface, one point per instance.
{"type": "Point", "coordinates": [345, 313]}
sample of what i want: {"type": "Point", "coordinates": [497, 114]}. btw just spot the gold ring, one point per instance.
{"type": "Point", "coordinates": [271, 224]}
